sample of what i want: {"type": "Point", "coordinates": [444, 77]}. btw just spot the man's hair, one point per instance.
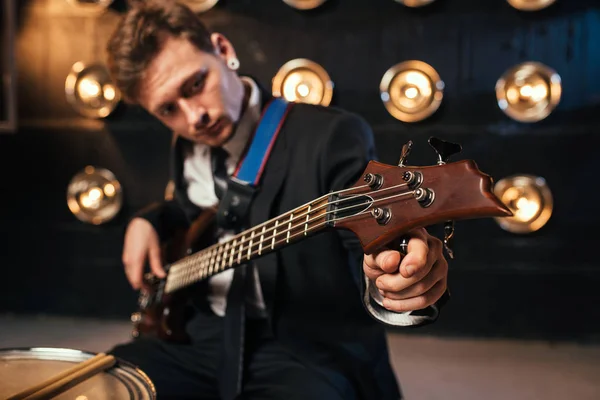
{"type": "Point", "coordinates": [139, 36]}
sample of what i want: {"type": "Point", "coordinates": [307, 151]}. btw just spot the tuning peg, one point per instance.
{"type": "Point", "coordinates": [405, 152]}
{"type": "Point", "coordinates": [444, 149]}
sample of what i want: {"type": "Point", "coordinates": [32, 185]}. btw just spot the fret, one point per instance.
{"type": "Point", "coordinates": [218, 261]}
{"type": "Point", "coordinates": [239, 261]}
{"type": "Point", "coordinates": [289, 229]}
{"type": "Point", "coordinates": [306, 223]}
{"type": "Point", "coordinates": [232, 252]}
{"type": "Point", "coordinates": [274, 235]}
{"type": "Point", "coordinates": [225, 255]}
{"type": "Point", "coordinates": [284, 229]}
{"type": "Point", "coordinates": [261, 239]}
{"type": "Point", "coordinates": [219, 258]}
{"type": "Point", "coordinates": [211, 262]}
{"type": "Point", "coordinates": [204, 265]}
{"type": "Point", "coordinates": [250, 246]}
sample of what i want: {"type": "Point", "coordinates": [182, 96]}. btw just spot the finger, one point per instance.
{"type": "Point", "coordinates": [419, 302]}
{"type": "Point", "coordinates": [134, 268]}
{"type": "Point", "coordinates": [419, 233]}
{"type": "Point", "coordinates": [437, 273]}
{"type": "Point", "coordinates": [371, 273]}
{"type": "Point", "coordinates": [416, 260]}
{"type": "Point", "coordinates": [375, 265]}
{"type": "Point", "coordinates": [156, 262]}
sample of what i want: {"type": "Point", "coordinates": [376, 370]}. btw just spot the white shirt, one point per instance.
{"type": "Point", "coordinates": [197, 172]}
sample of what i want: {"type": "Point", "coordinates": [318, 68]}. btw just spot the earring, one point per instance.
{"type": "Point", "coordinates": [233, 63]}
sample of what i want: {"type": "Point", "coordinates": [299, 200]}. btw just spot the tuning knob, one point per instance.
{"type": "Point", "coordinates": [444, 149]}
{"type": "Point", "coordinates": [381, 215]}
{"type": "Point", "coordinates": [405, 152]}
{"type": "Point", "coordinates": [425, 197]}
{"type": "Point", "coordinates": [375, 181]}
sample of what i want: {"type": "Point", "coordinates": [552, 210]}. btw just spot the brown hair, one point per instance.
{"type": "Point", "coordinates": [139, 35]}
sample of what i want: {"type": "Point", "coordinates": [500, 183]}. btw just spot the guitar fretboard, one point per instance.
{"type": "Point", "coordinates": [249, 245]}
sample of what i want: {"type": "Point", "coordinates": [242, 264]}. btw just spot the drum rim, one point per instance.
{"type": "Point", "coordinates": [141, 377]}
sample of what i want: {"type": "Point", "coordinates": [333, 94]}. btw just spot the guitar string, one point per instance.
{"type": "Point", "coordinates": [182, 264]}
{"type": "Point", "coordinates": [219, 267]}
{"type": "Point", "coordinates": [286, 221]}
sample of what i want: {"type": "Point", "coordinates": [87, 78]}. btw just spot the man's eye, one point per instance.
{"type": "Point", "coordinates": [167, 110]}
{"type": "Point", "coordinates": [197, 84]}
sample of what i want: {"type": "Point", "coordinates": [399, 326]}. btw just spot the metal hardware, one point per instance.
{"type": "Point", "coordinates": [414, 179]}
{"type": "Point", "coordinates": [375, 181]}
{"type": "Point", "coordinates": [425, 197]}
{"type": "Point", "coordinates": [381, 215]}
{"type": "Point", "coordinates": [406, 148]}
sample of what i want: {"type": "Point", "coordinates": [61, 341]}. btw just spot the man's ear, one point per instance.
{"type": "Point", "coordinates": [223, 47]}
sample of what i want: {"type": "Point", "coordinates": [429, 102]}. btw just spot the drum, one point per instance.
{"type": "Point", "coordinates": [23, 368]}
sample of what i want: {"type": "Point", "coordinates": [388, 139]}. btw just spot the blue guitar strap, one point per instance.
{"type": "Point", "coordinates": [242, 185]}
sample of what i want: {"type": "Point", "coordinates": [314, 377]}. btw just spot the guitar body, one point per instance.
{"type": "Point", "coordinates": [165, 315]}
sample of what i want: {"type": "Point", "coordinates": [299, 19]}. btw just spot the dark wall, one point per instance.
{"type": "Point", "coordinates": [538, 285]}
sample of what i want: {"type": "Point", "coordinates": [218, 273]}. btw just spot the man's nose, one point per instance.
{"type": "Point", "coordinates": [197, 117]}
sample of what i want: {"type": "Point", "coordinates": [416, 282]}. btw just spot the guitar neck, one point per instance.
{"type": "Point", "coordinates": [251, 244]}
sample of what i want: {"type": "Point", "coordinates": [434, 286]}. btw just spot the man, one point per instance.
{"type": "Point", "coordinates": [316, 330]}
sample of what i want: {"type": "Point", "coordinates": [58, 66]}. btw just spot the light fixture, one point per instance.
{"type": "Point", "coordinates": [90, 90]}
{"type": "Point", "coordinates": [303, 81]}
{"type": "Point", "coordinates": [304, 4]}
{"type": "Point", "coordinates": [530, 5]}
{"type": "Point", "coordinates": [530, 200]}
{"type": "Point", "coordinates": [94, 195]}
{"type": "Point", "coordinates": [415, 3]}
{"type": "Point", "coordinates": [92, 6]}
{"type": "Point", "coordinates": [528, 92]}
{"type": "Point", "coordinates": [411, 90]}
{"type": "Point", "coordinates": [200, 6]}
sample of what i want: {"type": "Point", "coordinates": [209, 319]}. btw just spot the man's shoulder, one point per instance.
{"type": "Point", "coordinates": [318, 121]}
{"type": "Point", "coordinates": [326, 113]}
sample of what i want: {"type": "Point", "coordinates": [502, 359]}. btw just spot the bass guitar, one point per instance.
{"type": "Point", "coordinates": [383, 205]}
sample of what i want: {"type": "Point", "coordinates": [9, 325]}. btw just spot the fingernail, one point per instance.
{"type": "Point", "coordinates": [381, 292]}
{"type": "Point", "coordinates": [410, 270]}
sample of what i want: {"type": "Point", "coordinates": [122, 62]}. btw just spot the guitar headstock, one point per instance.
{"type": "Point", "coordinates": [390, 200]}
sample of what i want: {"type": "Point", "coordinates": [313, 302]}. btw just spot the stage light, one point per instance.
{"type": "Point", "coordinates": [415, 3]}
{"type": "Point", "coordinates": [94, 195]}
{"type": "Point", "coordinates": [528, 92]}
{"type": "Point", "coordinates": [530, 200]}
{"type": "Point", "coordinates": [92, 6]}
{"type": "Point", "coordinates": [530, 5]}
{"type": "Point", "coordinates": [411, 91]}
{"type": "Point", "coordinates": [303, 81]}
{"type": "Point", "coordinates": [90, 90]}
{"type": "Point", "coordinates": [200, 6]}
{"type": "Point", "coordinates": [304, 4]}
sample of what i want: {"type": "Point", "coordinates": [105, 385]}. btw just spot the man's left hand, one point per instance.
{"type": "Point", "coordinates": [412, 282]}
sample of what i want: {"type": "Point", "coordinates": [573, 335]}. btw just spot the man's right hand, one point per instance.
{"type": "Point", "coordinates": [141, 242]}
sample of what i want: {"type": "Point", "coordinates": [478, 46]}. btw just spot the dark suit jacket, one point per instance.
{"type": "Point", "coordinates": [313, 289]}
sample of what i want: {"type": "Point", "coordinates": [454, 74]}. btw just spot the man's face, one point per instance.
{"type": "Point", "coordinates": [193, 92]}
